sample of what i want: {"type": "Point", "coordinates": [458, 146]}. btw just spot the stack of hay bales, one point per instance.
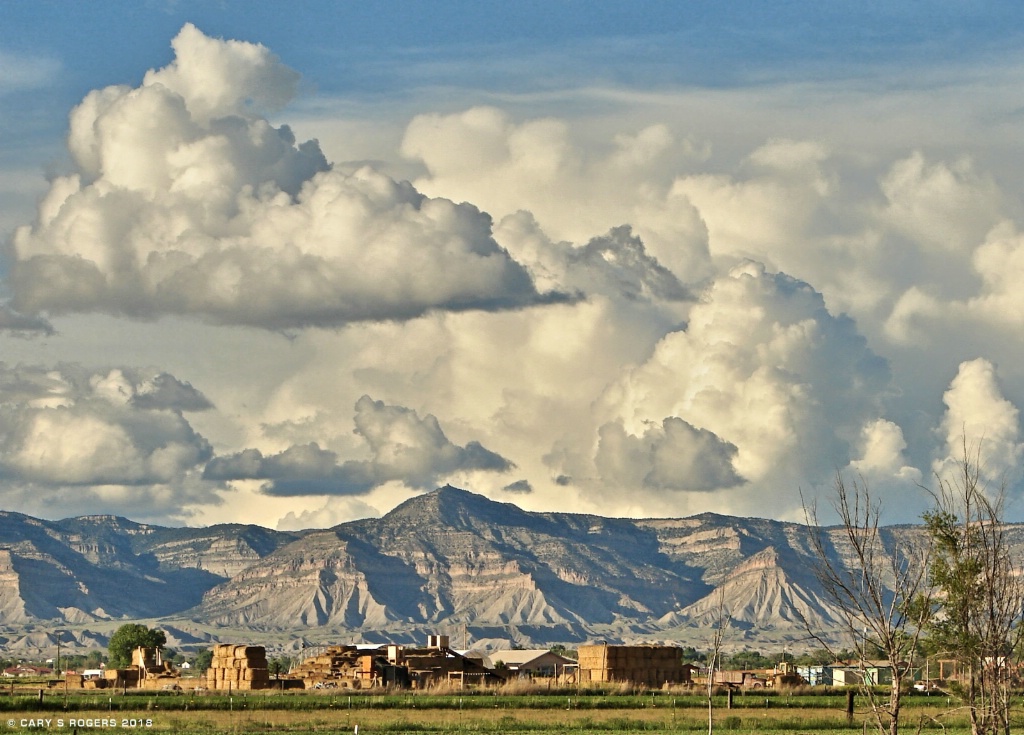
{"type": "Point", "coordinates": [336, 666]}
{"type": "Point", "coordinates": [122, 677]}
{"type": "Point", "coordinates": [593, 661]}
{"type": "Point", "coordinates": [238, 668]}
{"type": "Point", "coordinates": [644, 665]}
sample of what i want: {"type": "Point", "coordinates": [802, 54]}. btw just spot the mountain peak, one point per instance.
{"type": "Point", "coordinates": [455, 507]}
{"type": "Point", "coordinates": [106, 522]}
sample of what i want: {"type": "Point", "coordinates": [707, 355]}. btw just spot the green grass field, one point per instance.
{"type": "Point", "coordinates": [543, 712]}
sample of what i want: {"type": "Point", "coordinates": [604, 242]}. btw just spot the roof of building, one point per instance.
{"type": "Point", "coordinates": [23, 669]}
{"type": "Point", "coordinates": [518, 658]}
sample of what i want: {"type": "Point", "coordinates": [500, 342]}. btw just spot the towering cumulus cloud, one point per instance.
{"type": "Point", "coordinates": [763, 389]}
{"type": "Point", "coordinates": [185, 200]}
{"type": "Point", "coordinates": [979, 415]}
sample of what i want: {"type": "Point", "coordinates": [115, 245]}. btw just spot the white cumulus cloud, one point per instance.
{"type": "Point", "coordinates": [117, 434]}
{"type": "Point", "coordinates": [982, 421]}
{"type": "Point", "coordinates": [672, 456]}
{"type": "Point", "coordinates": [774, 386]}
{"type": "Point", "coordinates": [185, 200]}
{"type": "Point", "coordinates": [403, 447]}
{"type": "Point", "coordinates": [484, 156]}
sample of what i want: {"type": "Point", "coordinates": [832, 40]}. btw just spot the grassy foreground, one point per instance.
{"type": "Point", "coordinates": [548, 712]}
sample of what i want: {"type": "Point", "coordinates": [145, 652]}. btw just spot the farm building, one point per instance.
{"type": "Point", "coordinates": [816, 675]}
{"type": "Point", "coordinates": [646, 665]}
{"type": "Point", "coordinates": [529, 662]}
{"type": "Point", "coordinates": [848, 674]}
{"type": "Point", "coordinates": [438, 663]}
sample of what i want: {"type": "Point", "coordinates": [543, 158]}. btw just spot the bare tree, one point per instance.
{"type": "Point", "coordinates": [719, 626]}
{"type": "Point", "coordinates": [977, 614]}
{"type": "Point", "coordinates": [880, 590]}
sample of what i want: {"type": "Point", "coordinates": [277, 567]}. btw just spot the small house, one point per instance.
{"type": "Point", "coordinates": [530, 662]}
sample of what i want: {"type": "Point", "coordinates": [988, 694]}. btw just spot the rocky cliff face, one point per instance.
{"type": "Point", "coordinates": [446, 561]}
{"type": "Point", "coordinates": [455, 557]}
{"type": "Point", "coordinates": [103, 567]}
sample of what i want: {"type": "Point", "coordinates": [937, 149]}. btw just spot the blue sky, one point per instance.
{"type": "Point", "coordinates": [649, 44]}
{"type": "Point", "coordinates": [297, 262]}
{"type": "Point", "coordinates": [56, 52]}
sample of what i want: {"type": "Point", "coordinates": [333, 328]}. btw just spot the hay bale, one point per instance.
{"type": "Point", "coordinates": [256, 675]}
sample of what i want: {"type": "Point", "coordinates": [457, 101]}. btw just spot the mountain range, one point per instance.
{"type": "Point", "coordinates": [448, 561]}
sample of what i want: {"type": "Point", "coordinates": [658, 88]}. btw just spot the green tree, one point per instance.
{"type": "Point", "coordinates": [93, 659]}
{"type": "Point", "coordinates": [817, 657]}
{"type": "Point", "coordinates": [203, 660]}
{"type": "Point", "coordinates": [692, 655]}
{"type": "Point", "coordinates": [562, 650]}
{"type": "Point", "coordinates": [977, 614]}
{"type": "Point", "coordinates": [279, 666]}
{"type": "Point", "coordinates": [748, 660]}
{"type": "Point", "coordinates": [72, 662]}
{"type": "Point", "coordinates": [129, 637]}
